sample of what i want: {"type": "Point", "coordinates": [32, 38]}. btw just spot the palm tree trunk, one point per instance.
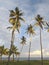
{"type": "Point", "coordinates": [29, 54]}
{"type": "Point", "coordinates": [12, 41]}
{"type": "Point", "coordinates": [1, 57]}
{"type": "Point", "coordinates": [21, 48]}
{"type": "Point", "coordinates": [20, 53]}
{"type": "Point", "coordinates": [41, 48]}
{"type": "Point", "coordinates": [13, 56]}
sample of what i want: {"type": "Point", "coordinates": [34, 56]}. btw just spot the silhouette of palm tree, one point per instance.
{"type": "Point", "coordinates": [31, 32]}
{"type": "Point", "coordinates": [23, 42]}
{"type": "Point", "coordinates": [15, 17]}
{"type": "Point", "coordinates": [40, 23]}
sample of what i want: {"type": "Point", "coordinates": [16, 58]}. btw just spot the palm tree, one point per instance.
{"type": "Point", "coordinates": [40, 23]}
{"type": "Point", "coordinates": [23, 42]}
{"type": "Point", "coordinates": [3, 51]}
{"type": "Point", "coordinates": [14, 51]}
{"type": "Point", "coordinates": [15, 17]}
{"type": "Point", "coordinates": [31, 32]}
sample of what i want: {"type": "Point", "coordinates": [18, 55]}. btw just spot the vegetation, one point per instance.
{"type": "Point", "coordinates": [30, 30]}
{"type": "Point", "coordinates": [3, 51]}
{"type": "Point", "coordinates": [36, 62]}
{"type": "Point", "coordinates": [15, 19]}
{"type": "Point", "coordinates": [23, 42]}
{"type": "Point", "coordinates": [40, 23]}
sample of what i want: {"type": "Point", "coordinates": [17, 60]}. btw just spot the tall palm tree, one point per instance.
{"type": "Point", "coordinates": [15, 17]}
{"type": "Point", "coordinates": [23, 42]}
{"type": "Point", "coordinates": [40, 23]}
{"type": "Point", "coordinates": [31, 32]}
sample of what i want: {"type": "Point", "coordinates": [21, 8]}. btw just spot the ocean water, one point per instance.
{"type": "Point", "coordinates": [25, 58]}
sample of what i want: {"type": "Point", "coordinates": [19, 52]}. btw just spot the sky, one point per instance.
{"type": "Point", "coordinates": [30, 8]}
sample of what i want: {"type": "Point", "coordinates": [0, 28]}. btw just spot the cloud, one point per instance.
{"type": "Point", "coordinates": [37, 53]}
{"type": "Point", "coordinates": [2, 42]}
{"type": "Point", "coordinates": [47, 53]}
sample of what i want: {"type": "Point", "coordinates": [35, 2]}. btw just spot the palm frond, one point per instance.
{"type": "Point", "coordinates": [20, 14]}
{"type": "Point", "coordinates": [18, 30]}
{"type": "Point", "coordinates": [40, 21]}
{"type": "Point", "coordinates": [47, 24]}
{"type": "Point", "coordinates": [16, 9]}
{"type": "Point", "coordinates": [12, 13]}
{"type": "Point", "coordinates": [17, 53]}
{"type": "Point", "coordinates": [9, 27]}
{"type": "Point", "coordinates": [21, 19]}
{"type": "Point", "coordinates": [48, 30]}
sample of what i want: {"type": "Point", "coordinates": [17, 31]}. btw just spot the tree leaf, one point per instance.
{"type": "Point", "coordinates": [21, 19]}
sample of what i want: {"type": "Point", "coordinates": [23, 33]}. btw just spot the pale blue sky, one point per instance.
{"type": "Point", "coordinates": [30, 8]}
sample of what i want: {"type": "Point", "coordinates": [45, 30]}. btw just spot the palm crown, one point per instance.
{"type": "Point", "coordinates": [40, 21]}
{"type": "Point", "coordinates": [23, 40]}
{"type": "Point", "coordinates": [13, 49]}
{"type": "Point", "coordinates": [15, 17]}
{"type": "Point", "coordinates": [30, 29]}
{"type": "Point", "coordinates": [3, 51]}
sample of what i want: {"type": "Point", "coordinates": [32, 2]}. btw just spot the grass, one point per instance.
{"type": "Point", "coordinates": [45, 62]}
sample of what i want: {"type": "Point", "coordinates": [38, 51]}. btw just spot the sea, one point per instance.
{"type": "Point", "coordinates": [25, 58]}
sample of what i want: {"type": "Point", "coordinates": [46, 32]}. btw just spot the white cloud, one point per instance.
{"type": "Point", "coordinates": [2, 42]}
{"type": "Point", "coordinates": [47, 53]}
{"type": "Point", "coordinates": [37, 53]}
